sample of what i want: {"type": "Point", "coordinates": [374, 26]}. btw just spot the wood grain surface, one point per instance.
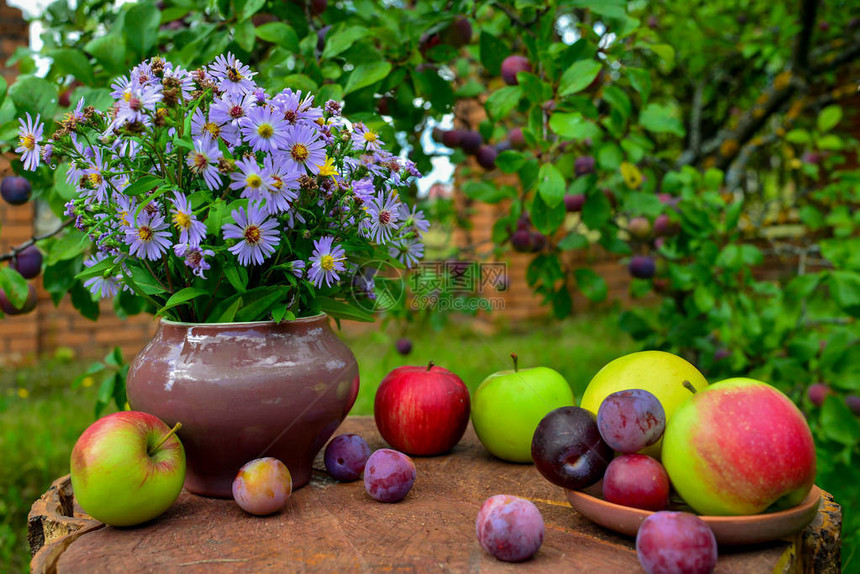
{"type": "Point", "coordinates": [336, 527]}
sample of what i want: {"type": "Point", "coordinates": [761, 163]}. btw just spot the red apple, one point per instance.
{"type": "Point", "coordinates": [422, 411]}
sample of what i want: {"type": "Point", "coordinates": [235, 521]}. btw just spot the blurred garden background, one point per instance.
{"type": "Point", "coordinates": [662, 175]}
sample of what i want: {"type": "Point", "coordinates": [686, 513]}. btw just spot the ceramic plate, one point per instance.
{"type": "Point", "coordinates": [729, 530]}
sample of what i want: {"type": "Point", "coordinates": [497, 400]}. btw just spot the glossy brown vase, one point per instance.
{"type": "Point", "coordinates": [244, 391]}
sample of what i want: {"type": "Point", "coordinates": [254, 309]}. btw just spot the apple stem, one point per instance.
{"type": "Point", "coordinates": [430, 365]}
{"type": "Point", "coordinates": [689, 386]}
{"type": "Point", "coordinates": [173, 431]}
{"type": "Point", "coordinates": [516, 360]}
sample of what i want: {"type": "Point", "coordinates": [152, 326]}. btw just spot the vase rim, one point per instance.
{"type": "Point", "coordinates": [308, 319]}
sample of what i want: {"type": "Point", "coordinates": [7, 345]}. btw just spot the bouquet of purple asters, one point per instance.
{"type": "Point", "coordinates": [217, 201]}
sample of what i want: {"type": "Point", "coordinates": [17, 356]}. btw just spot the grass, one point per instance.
{"type": "Point", "coordinates": [41, 416]}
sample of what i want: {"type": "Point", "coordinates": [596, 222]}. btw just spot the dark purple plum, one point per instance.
{"type": "Point", "coordinates": [642, 267]}
{"type": "Point", "coordinates": [471, 141]}
{"type": "Point", "coordinates": [262, 486]}
{"type": "Point", "coordinates": [638, 481]}
{"type": "Point", "coordinates": [486, 156]}
{"type": "Point", "coordinates": [452, 138]}
{"type": "Point", "coordinates": [817, 393]}
{"type": "Point", "coordinates": [517, 139]}
{"type": "Point", "coordinates": [388, 475]}
{"type": "Point", "coordinates": [28, 262]}
{"type": "Point", "coordinates": [538, 241]}
{"type": "Point", "coordinates": [523, 221]}
{"type": "Point", "coordinates": [631, 420]}
{"type": "Point", "coordinates": [30, 304]}
{"type": "Point", "coordinates": [521, 241]}
{"type": "Point", "coordinates": [671, 542]}
{"type": "Point", "coordinates": [573, 202]}
{"type": "Point", "coordinates": [15, 190]}
{"type": "Point", "coordinates": [345, 457]}
{"type": "Point", "coordinates": [459, 33]}
{"type": "Point", "coordinates": [664, 226]}
{"type": "Point", "coordinates": [510, 528]}
{"type": "Point", "coordinates": [403, 346]}
{"type": "Point", "coordinates": [568, 450]}
{"type": "Point", "coordinates": [583, 165]}
{"type": "Point", "coordinates": [853, 402]}
{"type": "Point", "coordinates": [511, 66]}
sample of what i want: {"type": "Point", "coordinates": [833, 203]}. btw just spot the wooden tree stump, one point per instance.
{"type": "Point", "coordinates": [336, 527]}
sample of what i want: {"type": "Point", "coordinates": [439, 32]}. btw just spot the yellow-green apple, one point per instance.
{"type": "Point", "coordinates": [508, 406]}
{"type": "Point", "coordinates": [127, 468]}
{"type": "Point", "coordinates": [738, 447]}
{"type": "Point", "coordinates": [422, 411]}
{"type": "Point", "coordinates": [662, 374]}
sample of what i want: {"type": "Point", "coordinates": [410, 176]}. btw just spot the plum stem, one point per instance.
{"type": "Point", "coordinates": [689, 386]}
{"type": "Point", "coordinates": [430, 365]}
{"type": "Point", "coordinates": [516, 361]}
{"type": "Point", "coordinates": [173, 431]}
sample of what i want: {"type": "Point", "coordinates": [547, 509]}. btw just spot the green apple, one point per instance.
{"type": "Point", "coordinates": [127, 468]}
{"type": "Point", "coordinates": [663, 374]}
{"type": "Point", "coordinates": [737, 447]}
{"type": "Point", "coordinates": [508, 405]}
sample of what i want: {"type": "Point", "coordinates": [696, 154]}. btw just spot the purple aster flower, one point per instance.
{"type": "Point", "coordinates": [97, 183]}
{"type": "Point", "coordinates": [364, 189]}
{"type": "Point", "coordinates": [125, 206]}
{"type": "Point", "coordinates": [200, 125]}
{"type": "Point", "coordinates": [326, 261]}
{"type": "Point", "coordinates": [195, 257]}
{"type": "Point", "coordinates": [263, 130]}
{"type": "Point", "coordinates": [407, 250]}
{"type": "Point", "coordinates": [304, 149]}
{"type": "Point", "coordinates": [414, 219]}
{"type": "Point", "coordinates": [148, 236]}
{"type": "Point", "coordinates": [297, 268]}
{"type": "Point", "coordinates": [332, 108]}
{"type": "Point", "coordinates": [29, 135]}
{"type": "Point", "coordinates": [121, 87]}
{"type": "Point", "coordinates": [365, 139]}
{"type": "Point", "coordinates": [228, 109]}
{"type": "Point", "coordinates": [259, 235]}
{"type": "Point", "coordinates": [136, 103]}
{"type": "Point", "coordinates": [191, 231]}
{"type": "Point", "coordinates": [204, 161]}
{"type": "Point", "coordinates": [142, 75]}
{"type": "Point", "coordinates": [48, 151]}
{"type": "Point", "coordinates": [182, 77]}
{"type": "Point", "coordinates": [102, 286]}
{"type": "Point", "coordinates": [261, 96]}
{"type": "Point", "coordinates": [293, 217]}
{"type": "Point", "coordinates": [78, 112]}
{"type": "Point", "coordinates": [283, 187]}
{"type": "Point", "coordinates": [253, 180]}
{"type": "Point", "coordinates": [295, 109]}
{"type": "Point", "coordinates": [233, 77]}
{"type": "Point", "coordinates": [383, 215]}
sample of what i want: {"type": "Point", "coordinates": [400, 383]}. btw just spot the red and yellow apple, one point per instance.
{"type": "Point", "coordinates": [738, 447]}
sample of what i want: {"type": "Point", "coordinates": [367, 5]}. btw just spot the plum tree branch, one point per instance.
{"type": "Point", "coordinates": [32, 241]}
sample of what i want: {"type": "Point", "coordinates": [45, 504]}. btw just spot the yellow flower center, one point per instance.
{"type": "Point", "coordinates": [254, 181]}
{"type": "Point", "coordinates": [265, 131]}
{"type": "Point", "coordinates": [182, 220]}
{"type": "Point", "coordinates": [327, 168]}
{"type": "Point", "coordinates": [252, 234]}
{"type": "Point", "coordinates": [123, 216]}
{"type": "Point", "coordinates": [370, 137]}
{"type": "Point", "coordinates": [213, 129]}
{"type": "Point", "coordinates": [327, 262]}
{"type": "Point", "coordinates": [200, 161]}
{"type": "Point", "coordinates": [95, 178]}
{"type": "Point", "coordinates": [299, 152]}
{"type": "Point", "coordinates": [28, 142]}
{"type": "Point", "coordinates": [126, 95]}
{"type": "Point", "coordinates": [277, 182]}
{"type": "Point", "coordinates": [145, 233]}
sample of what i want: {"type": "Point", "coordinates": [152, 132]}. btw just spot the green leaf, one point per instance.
{"type": "Point", "coordinates": [261, 301]}
{"type": "Point", "coordinates": [703, 299]}
{"type": "Point", "coordinates": [493, 53]}
{"type": "Point", "coordinates": [182, 296]}
{"type": "Point", "coordinates": [15, 286]}
{"type": "Point", "coordinates": [341, 310]}
{"type": "Point", "coordinates": [251, 7]}
{"type": "Point", "coordinates": [610, 156]}
{"type": "Point", "coordinates": [616, 98]}
{"type": "Point", "coordinates": [3, 89]}
{"type": "Point", "coordinates": [838, 422]}
{"type": "Point", "coordinates": [510, 161]}
{"type": "Point", "coordinates": [109, 51]}
{"type": "Point", "coordinates": [502, 101]}
{"type": "Point", "coordinates": [91, 370]}
{"type": "Point", "coordinates": [73, 62]}
{"type": "Point", "coordinates": [141, 30]}
{"type": "Point", "coordinates": [71, 244]}
{"type": "Point", "coordinates": [487, 192]}
{"type": "Point", "coordinates": [640, 203]}
{"type": "Point", "coordinates": [97, 270]}
{"type": "Point", "coordinates": [798, 136]}
{"type": "Point", "coordinates": [145, 282]}
{"type": "Point", "coordinates": [828, 118]}
{"type": "Point", "coordinates": [597, 209]}
{"type": "Point", "coordinates": [105, 394]}
{"type": "Point", "coordinates": [142, 185]}
{"type": "Point", "coordinates": [641, 81]}
{"type": "Point", "coordinates": [831, 142]}
{"type": "Point", "coordinates": [661, 119]}
{"type": "Point", "coordinates": [83, 302]}
{"type": "Point", "coordinates": [845, 288]}
{"type": "Point", "coordinates": [573, 126]}
{"type": "Point", "coordinates": [243, 34]}
{"type": "Point", "coordinates": [578, 77]}
{"type": "Point", "coordinates": [608, 8]}
{"type": "Point", "coordinates": [229, 313]}
{"type": "Point", "coordinates": [280, 34]}
{"type": "Point", "coordinates": [573, 241]}
{"type": "Point", "coordinates": [366, 75]}
{"type": "Point", "coordinates": [591, 284]}
{"type": "Point", "coordinates": [236, 275]}
{"type": "Point", "coordinates": [545, 218]}
{"type": "Point", "coordinates": [341, 38]}
{"type": "Point", "coordinates": [34, 96]}
{"type": "Point", "coordinates": [666, 53]}
{"type": "Point", "coordinates": [551, 185]}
